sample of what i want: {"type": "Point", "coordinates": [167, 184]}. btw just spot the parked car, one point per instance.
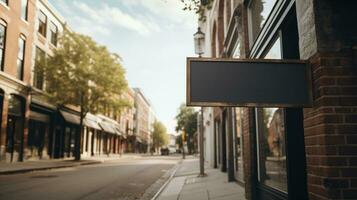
{"type": "Point", "coordinates": [164, 151]}
{"type": "Point", "coordinates": [172, 150]}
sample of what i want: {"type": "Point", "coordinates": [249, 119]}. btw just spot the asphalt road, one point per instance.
{"type": "Point", "coordinates": [120, 179]}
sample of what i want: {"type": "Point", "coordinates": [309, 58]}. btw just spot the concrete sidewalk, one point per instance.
{"type": "Point", "coordinates": [186, 185]}
{"type": "Point", "coordinates": [28, 166]}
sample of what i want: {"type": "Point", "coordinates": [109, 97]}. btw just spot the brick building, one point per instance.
{"type": "Point", "coordinates": [142, 134]}
{"type": "Point", "coordinates": [16, 38]}
{"type": "Point", "coordinates": [288, 153]}
{"type": "Point", "coordinates": [31, 127]}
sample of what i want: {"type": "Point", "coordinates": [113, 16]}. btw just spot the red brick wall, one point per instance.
{"type": "Point", "coordinates": [248, 150]}
{"type": "Point", "coordinates": [331, 127]}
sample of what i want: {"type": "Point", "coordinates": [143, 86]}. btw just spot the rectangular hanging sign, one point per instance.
{"type": "Point", "coordinates": [248, 83]}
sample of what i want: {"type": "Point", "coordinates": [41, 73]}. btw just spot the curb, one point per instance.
{"type": "Point", "coordinates": [21, 171]}
{"type": "Point", "coordinates": [167, 181]}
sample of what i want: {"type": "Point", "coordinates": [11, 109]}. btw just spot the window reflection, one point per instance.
{"type": "Point", "coordinates": [239, 143]}
{"type": "Point", "coordinates": [272, 156]}
{"type": "Point", "coordinates": [275, 50]}
{"type": "Point", "coordinates": [259, 11]}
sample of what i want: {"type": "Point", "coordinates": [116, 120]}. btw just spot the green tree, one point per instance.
{"type": "Point", "coordinates": [187, 121]}
{"type": "Point", "coordinates": [159, 136]}
{"type": "Point", "coordinates": [198, 6]}
{"type": "Point", "coordinates": [84, 74]}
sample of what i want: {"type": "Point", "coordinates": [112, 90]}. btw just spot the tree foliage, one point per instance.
{"type": "Point", "coordinates": [198, 6]}
{"type": "Point", "coordinates": [160, 136]}
{"type": "Point", "coordinates": [81, 67]}
{"type": "Point", "coordinates": [187, 121]}
{"type": "Point", "coordinates": [84, 74]}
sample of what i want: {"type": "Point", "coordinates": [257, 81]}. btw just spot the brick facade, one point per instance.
{"type": "Point", "coordinates": [327, 40]}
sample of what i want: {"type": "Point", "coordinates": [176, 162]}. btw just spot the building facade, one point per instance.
{"type": "Point", "coordinates": [142, 116]}
{"type": "Point", "coordinates": [31, 127]}
{"type": "Point", "coordinates": [126, 121]}
{"type": "Point", "coordinates": [16, 38]}
{"type": "Point", "coordinates": [288, 153]}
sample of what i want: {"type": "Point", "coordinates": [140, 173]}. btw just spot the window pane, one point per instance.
{"type": "Point", "coordinates": [21, 49]}
{"type": "Point", "coordinates": [5, 1]}
{"type": "Point", "coordinates": [2, 36]}
{"type": "Point", "coordinates": [1, 58]}
{"type": "Point", "coordinates": [239, 142]}
{"type": "Point", "coordinates": [20, 58]}
{"type": "Point", "coordinates": [42, 23]}
{"type": "Point", "coordinates": [272, 156]}
{"type": "Point", "coordinates": [15, 106]}
{"type": "Point", "coordinates": [19, 67]}
{"type": "Point", "coordinates": [24, 9]}
{"type": "Point", "coordinates": [2, 45]}
{"type": "Point", "coordinates": [259, 11]}
{"type": "Point", "coordinates": [38, 73]}
{"type": "Point", "coordinates": [275, 50]}
{"type": "Point", "coordinates": [53, 32]}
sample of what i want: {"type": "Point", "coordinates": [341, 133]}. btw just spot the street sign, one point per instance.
{"type": "Point", "coordinates": [251, 83]}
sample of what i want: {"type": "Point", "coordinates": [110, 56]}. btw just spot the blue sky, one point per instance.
{"type": "Point", "coordinates": [153, 37]}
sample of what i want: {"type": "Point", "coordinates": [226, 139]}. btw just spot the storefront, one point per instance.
{"type": "Point", "coordinates": [71, 121]}
{"type": "Point", "coordinates": [40, 136]}
{"type": "Point", "coordinates": [15, 129]}
{"type": "Point", "coordinates": [91, 130]}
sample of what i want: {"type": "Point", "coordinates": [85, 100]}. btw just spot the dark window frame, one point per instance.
{"type": "Point", "coordinates": [6, 2]}
{"type": "Point", "coordinates": [38, 81]}
{"type": "Point", "coordinates": [21, 57]}
{"type": "Point", "coordinates": [269, 28]}
{"type": "Point", "coordinates": [53, 33]}
{"type": "Point", "coordinates": [3, 48]}
{"type": "Point", "coordinates": [42, 25]}
{"type": "Point", "coordinates": [296, 168]}
{"type": "Point", "coordinates": [24, 10]}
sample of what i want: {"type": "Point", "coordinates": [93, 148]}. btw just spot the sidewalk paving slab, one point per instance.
{"type": "Point", "coordinates": [187, 185]}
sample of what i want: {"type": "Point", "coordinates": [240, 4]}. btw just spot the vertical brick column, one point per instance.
{"type": "Point", "coordinates": [5, 107]}
{"type": "Point", "coordinates": [249, 152]}
{"type": "Point", "coordinates": [25, 151]}
{"type": "Point", "coordinates": [327, 39]}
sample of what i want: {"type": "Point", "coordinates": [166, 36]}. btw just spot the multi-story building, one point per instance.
{"type": "Point", "coordinates": [31, 127]}
{"type": "Point", "coordinates": [126, 121]}
{"type": "Point", "coordinates": [151, 121]}
{"type": "Point", "coordinates": [142, 128]}
{"type": "Point", "coordinates": [287, 153]}
{"type": "Point", "coordinates": [17, 20]}
{"type": "Point", "coordinates": [41, 138]}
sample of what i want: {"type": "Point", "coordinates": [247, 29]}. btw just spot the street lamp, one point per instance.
{"type": "Point", "coordinates": [199, 39]}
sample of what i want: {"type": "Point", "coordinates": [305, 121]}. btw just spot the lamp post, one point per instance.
{"type": "Point", "coordinates": [199, 40]}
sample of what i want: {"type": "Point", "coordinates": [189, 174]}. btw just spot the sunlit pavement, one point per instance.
{"type": "Point", "coordinates": [187, 185]}
{"type": "Point", "coordinates": [128, 178]}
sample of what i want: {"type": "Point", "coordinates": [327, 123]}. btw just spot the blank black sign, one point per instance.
{"type": "Point", "coordinates": [258, 83]}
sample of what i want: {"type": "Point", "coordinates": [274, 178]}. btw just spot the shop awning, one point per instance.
{"type": "Point", "coordinates": [39, 117]}
{"type": "Point", "coordinates": [139, 140]}
{"type": "Point", "coordinates": [70, 117]}
{"type": "Point", "coordinates": [107, 127]}
{"type": "Point", "coordinates": [91, 121]}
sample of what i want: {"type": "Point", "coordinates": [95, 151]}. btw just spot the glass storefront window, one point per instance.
{"type": "Point", "coordinates": [239, 143]}
{"type": "Point", "coordinates": [271, 143]}
{"type": "Point", "coordinates": [259, 11]}
{"type": "Point", "coordinates": [275, 50]}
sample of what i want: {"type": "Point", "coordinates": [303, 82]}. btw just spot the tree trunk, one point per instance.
{"type": "Point", "coordinates": [79, 134]}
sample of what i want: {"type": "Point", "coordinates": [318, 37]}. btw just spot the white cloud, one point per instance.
{"type": "Point", "coordinates": [166, 9]}
{"type": "Point", "coordinates": [109, 16]}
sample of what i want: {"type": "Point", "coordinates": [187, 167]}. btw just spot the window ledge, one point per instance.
{"type": "Point", "coordinates": [6, 6]}
{"type": "Point", "coordinates": [25, 21]}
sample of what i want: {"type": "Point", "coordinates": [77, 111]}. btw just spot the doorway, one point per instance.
{"type": "Point", "coordinates": [15, 129]}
